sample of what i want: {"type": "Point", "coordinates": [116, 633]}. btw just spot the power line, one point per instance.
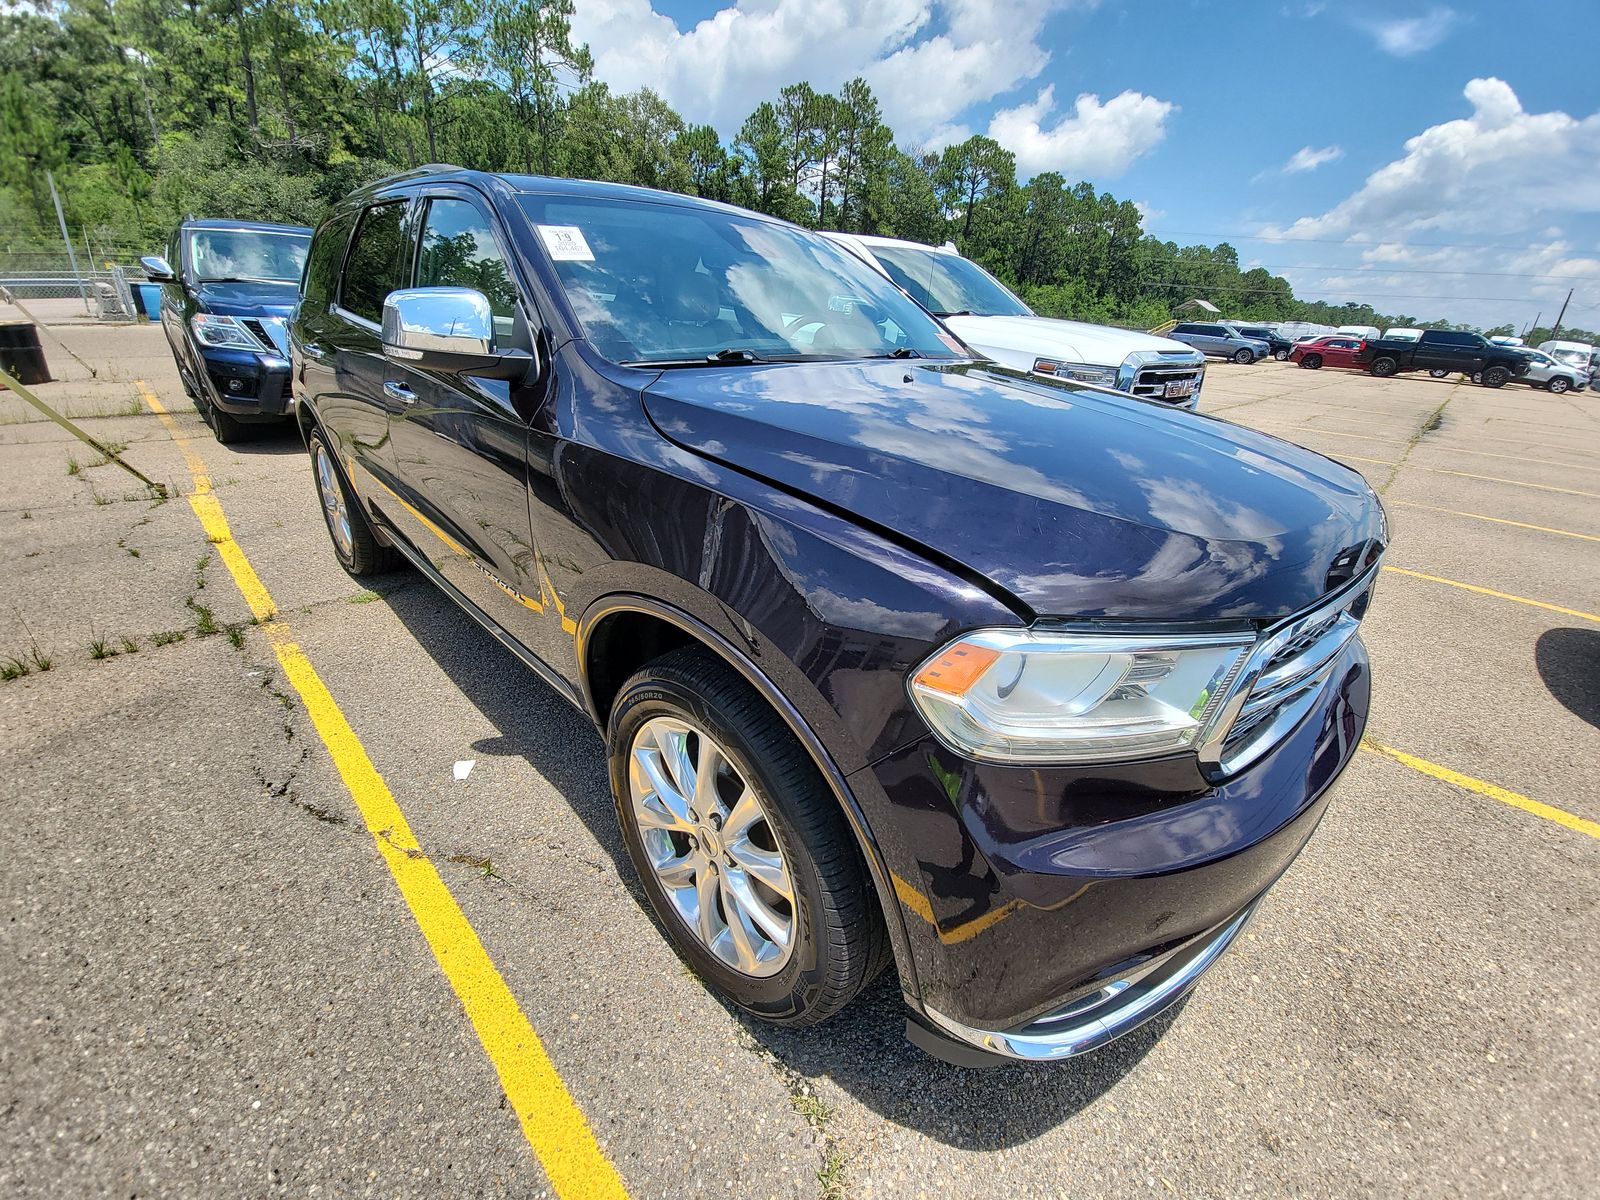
{"type": "Point", "coordinates": [1378, 268]}
{"type": "Point", "coordinates": [1255, 237]}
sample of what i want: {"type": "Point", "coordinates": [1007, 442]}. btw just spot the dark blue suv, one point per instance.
{"type": "Point", "coordinates": [900, 656]}
{"type": "Point", "coordinates": [228, 288]}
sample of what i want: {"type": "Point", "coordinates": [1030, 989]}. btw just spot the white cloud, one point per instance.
{"type": "Point", "coordinates": [1096, 140]}
{"type": "Point", "coordinates": [1502, 177]}
{"type": "Point", "coordinates": [1501, 168]}
{"type": "Point", "coordinates": [1407, 36]}
{"type": "Point", "coordinates": [1308, 158]}
{"type": "Point", "coordinates": [718, 70]}
{"type": "Point", "coordinates": [1149, 214]}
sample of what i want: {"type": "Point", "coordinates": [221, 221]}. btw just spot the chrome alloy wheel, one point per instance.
{"type": "Point", "coordinates": [711, 846]}
{"type": "Point", "coordinates": [333, 506]}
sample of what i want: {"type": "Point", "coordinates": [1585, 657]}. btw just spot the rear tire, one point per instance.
{"type": "Point", "coordinates": [1244, 357]}
{"type": "Point", "coordinates": [1495, 377]}
{"type": "Point", "coordinates": [1384, 367]}
{"type": "Point", "coordinates": [1281, 355]}
{"type": "Point", "coordinates": [1312, 362]}
{"type": "Point", "coordinates": [1438, 372]}
{"type": "Point", "coordinates": [356, 546]}
{"type": "Point", "coordinates": [835, 938]}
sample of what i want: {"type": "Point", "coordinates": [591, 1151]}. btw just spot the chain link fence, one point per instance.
{"type": "Point", "coordinates": [102, 277]}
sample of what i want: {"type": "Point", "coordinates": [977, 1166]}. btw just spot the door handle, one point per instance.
{"type": "Point", "coordinates": [399, 391]}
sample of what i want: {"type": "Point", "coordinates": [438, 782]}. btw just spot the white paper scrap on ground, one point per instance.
{"type": "Point", "coordinates": [464, 768]}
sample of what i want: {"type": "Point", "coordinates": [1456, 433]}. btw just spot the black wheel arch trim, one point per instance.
{"type": "Point", "coordinates": [838, 783]}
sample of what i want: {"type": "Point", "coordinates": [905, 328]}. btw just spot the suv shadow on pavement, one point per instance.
{"type": "Point", "coordinates": [1569, 664]}
{"type": "Point", "coordinates": [863, 1049]}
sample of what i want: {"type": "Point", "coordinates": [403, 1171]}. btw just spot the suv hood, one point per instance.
{"type": "Point", "coordinates": [1078, 503]}
{"type": "Point", "coordinates": [248, 299]}
{"type": "Point", "coordinates": [1072, 341]}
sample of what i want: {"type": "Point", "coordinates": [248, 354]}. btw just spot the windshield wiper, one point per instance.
{"type": "Point", "coordinates": [730, 356]}
{"type": "Point", "coordinates": [241, 279]}
{"type": "Point", "coordinates": [960, 312]}
{"type": "Point", "coordinates": [898, 352]}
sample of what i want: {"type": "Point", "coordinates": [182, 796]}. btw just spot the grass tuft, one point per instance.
{"type": "Point", "coordinates": [74, 467]}
{"type": "Point", "coordinates": [129, 645]}
{"type": "Point", "coordinates": [167, 638]}
{"type": "Point", "coordinates": [13, 668]}
{"type": "Point", "coordinates": [41, 660]}
{"type": "Point", "coordinates": [100, 648]}
{"type": "Point", "coordinates": [235, 636]}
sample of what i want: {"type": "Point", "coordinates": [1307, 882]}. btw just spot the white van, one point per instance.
{"type": "Point", "coordinates": [1575, 354]}
{"type": "Point", "coordinates": [1401, 335]}
{"type": "Point", "coordinates": [1367, 333]}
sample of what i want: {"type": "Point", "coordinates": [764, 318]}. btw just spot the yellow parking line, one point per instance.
{"type": "Point", "coordinates": [1367, 437]}
{"type": "Point", "coordinates": [1472, 587]}
{"type": "Point", "coordinates": [1588, 537]}
{"type": "Point", "coordinates": [1543, 487]}
{"type": "Point", "coordinates": [1492, 791]}
{"type": "Point", "coordinates": [551, 1120]}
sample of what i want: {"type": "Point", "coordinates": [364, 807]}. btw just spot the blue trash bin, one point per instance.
{"type": "Point", "coordinates": [149, 300]}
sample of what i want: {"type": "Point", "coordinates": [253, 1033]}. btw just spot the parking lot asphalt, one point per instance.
{"type": "Point", "coordinates": [212, 984]}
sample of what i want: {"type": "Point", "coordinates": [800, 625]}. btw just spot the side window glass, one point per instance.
{"type": "Point", "coordinates": [376, 264]}
{"type": "Point", "coordinates": [322, 264]}
{"type": "Point", "coordinates": [459, 250]}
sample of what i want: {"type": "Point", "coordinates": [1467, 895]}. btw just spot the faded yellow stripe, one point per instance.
{"type": "Point", "coordinates": [1483, 591]}
{"type": "Point", "coordinates": [551, 1120]}
{"type": "Point", "coordinates": [1542, 487]}
{"type": "Point", "coordinates": [1538, 808]}
{"type": "Point", "coordinates": [1588, 537]}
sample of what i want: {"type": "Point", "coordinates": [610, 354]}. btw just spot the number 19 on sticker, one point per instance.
{"type": "Point", "coordinates": [566, 243]}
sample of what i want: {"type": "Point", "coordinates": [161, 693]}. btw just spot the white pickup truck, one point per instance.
{"type": "Point", "coordinates": [982, 312]}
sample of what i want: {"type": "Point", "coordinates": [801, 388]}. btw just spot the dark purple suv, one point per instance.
{"type": "Point", "coordinates": [1029, 688]}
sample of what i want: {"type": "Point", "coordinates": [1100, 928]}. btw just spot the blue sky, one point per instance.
{"type": "Point", "coordinates": [1200, 110]}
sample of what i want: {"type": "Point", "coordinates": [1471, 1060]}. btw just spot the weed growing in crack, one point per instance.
{"type": "Point", "coordinates": [13, 668]}
{"type": "Point", "coordinates": [205, 623]}
{"type": "Point", "coordinates": [167, 638]}
{"type": "Point", "coordinates": [100, 648]}
{"type": "Point", "coordinates": [74, 467]}
{"type": "Point", "coordinates": [26, 515]}
{"type": "Point", "coordinates": [112, 450]}
{"type": "Point", "coordinates": [235, 636]}
{"type": "Point", "coordinates": [129, 645]}
{"type": "Point", "coordinates": [41, 661]}
{"type": "Point", "coordinates": [100, 498]}
{"type": "Point", "coordinates": [485, 865]}
{"type": "Point", "coordinates": [365, 596]}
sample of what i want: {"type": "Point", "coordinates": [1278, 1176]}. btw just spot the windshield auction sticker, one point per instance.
{"type": "Point", "coordinates": [566, 243]}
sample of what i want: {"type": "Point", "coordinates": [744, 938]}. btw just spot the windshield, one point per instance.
{"type": "Point", "coordinates": [662, 283]}
{"type": "Point", "coordinates": [1573, 358]}
{"type": "Point", "coordinates": [247, 254]}
{"type": "Point", "coordinates": [948, 285]}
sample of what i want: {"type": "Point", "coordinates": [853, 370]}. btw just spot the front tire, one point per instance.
{"type": "Point", "coordinates": [1384, 367]}
{"type": "Point", "coordinates": [1559, 385]}
{"type": "Point", "coordinates": [1495, 377]}
{"type": "Point", "coordinates": [1244, 357]}
{"type": "Point", "coordinates": [1312, 362]}
{"type": "Point", "coordinates": [1437, 372]}
{"type": "Point", "coordinates": [357, 547]}
{"type": "Point", "coordinates": [228, 429]}
{"type": "Point", "coordinates": [743, 852]}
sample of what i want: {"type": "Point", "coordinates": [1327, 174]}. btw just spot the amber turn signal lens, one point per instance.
{"type": "Point", "coordinates": [957, 669]}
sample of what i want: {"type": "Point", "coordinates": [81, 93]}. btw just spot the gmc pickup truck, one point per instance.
{"type": "Point", "coordinates": [1444, 350]}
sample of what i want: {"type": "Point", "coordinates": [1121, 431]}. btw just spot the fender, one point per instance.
{"type": "Point", "coordinates": [615, 602]}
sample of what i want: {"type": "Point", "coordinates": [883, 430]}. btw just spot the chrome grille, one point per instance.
{"type": "Point", "coordinates": [1151, 381]}
{"type": "Point", "coordinates": [1284, 677]}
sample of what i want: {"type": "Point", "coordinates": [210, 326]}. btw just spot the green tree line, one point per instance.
{"type": "Point", "coordinates": [148, 110]}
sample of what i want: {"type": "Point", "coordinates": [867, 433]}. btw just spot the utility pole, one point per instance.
{"type": "Point", "coordinates": [1555, 333]}
{"type": "Point", "coordinates": [1535, 324]}
{"type": "Point", "coordinates": [72, 256]}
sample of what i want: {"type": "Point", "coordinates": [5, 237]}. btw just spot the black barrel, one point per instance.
{"type": "Point", "coordinates": [21, 356]}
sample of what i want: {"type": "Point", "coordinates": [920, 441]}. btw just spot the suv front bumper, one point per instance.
{"type": "Point", "coordinates": [247, 383]}
{"type": "Point", "coordinates": [1048, 911]}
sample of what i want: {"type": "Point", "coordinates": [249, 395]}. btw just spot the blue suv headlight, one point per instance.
{"type": "Point", "coordinates": [224, 332]}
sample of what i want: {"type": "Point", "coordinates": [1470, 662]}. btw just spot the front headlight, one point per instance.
{"type": "Point", "coordinates": [1082, 372]}
{"type": "Point", "coordinates": [1041, 697]}
{"type": "Point", "coordinates": [214, 330]}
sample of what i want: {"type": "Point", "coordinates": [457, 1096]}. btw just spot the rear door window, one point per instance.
{"type": "Point", "coordinates": [322, 264]}
{"type": "Point", "coordinates": [377, 263]}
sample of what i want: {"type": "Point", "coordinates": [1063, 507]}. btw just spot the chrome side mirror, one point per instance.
{"type": "Point", "coordinates": [448, 329]}
{"type": "Point", "coordinates": [157, 269]}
